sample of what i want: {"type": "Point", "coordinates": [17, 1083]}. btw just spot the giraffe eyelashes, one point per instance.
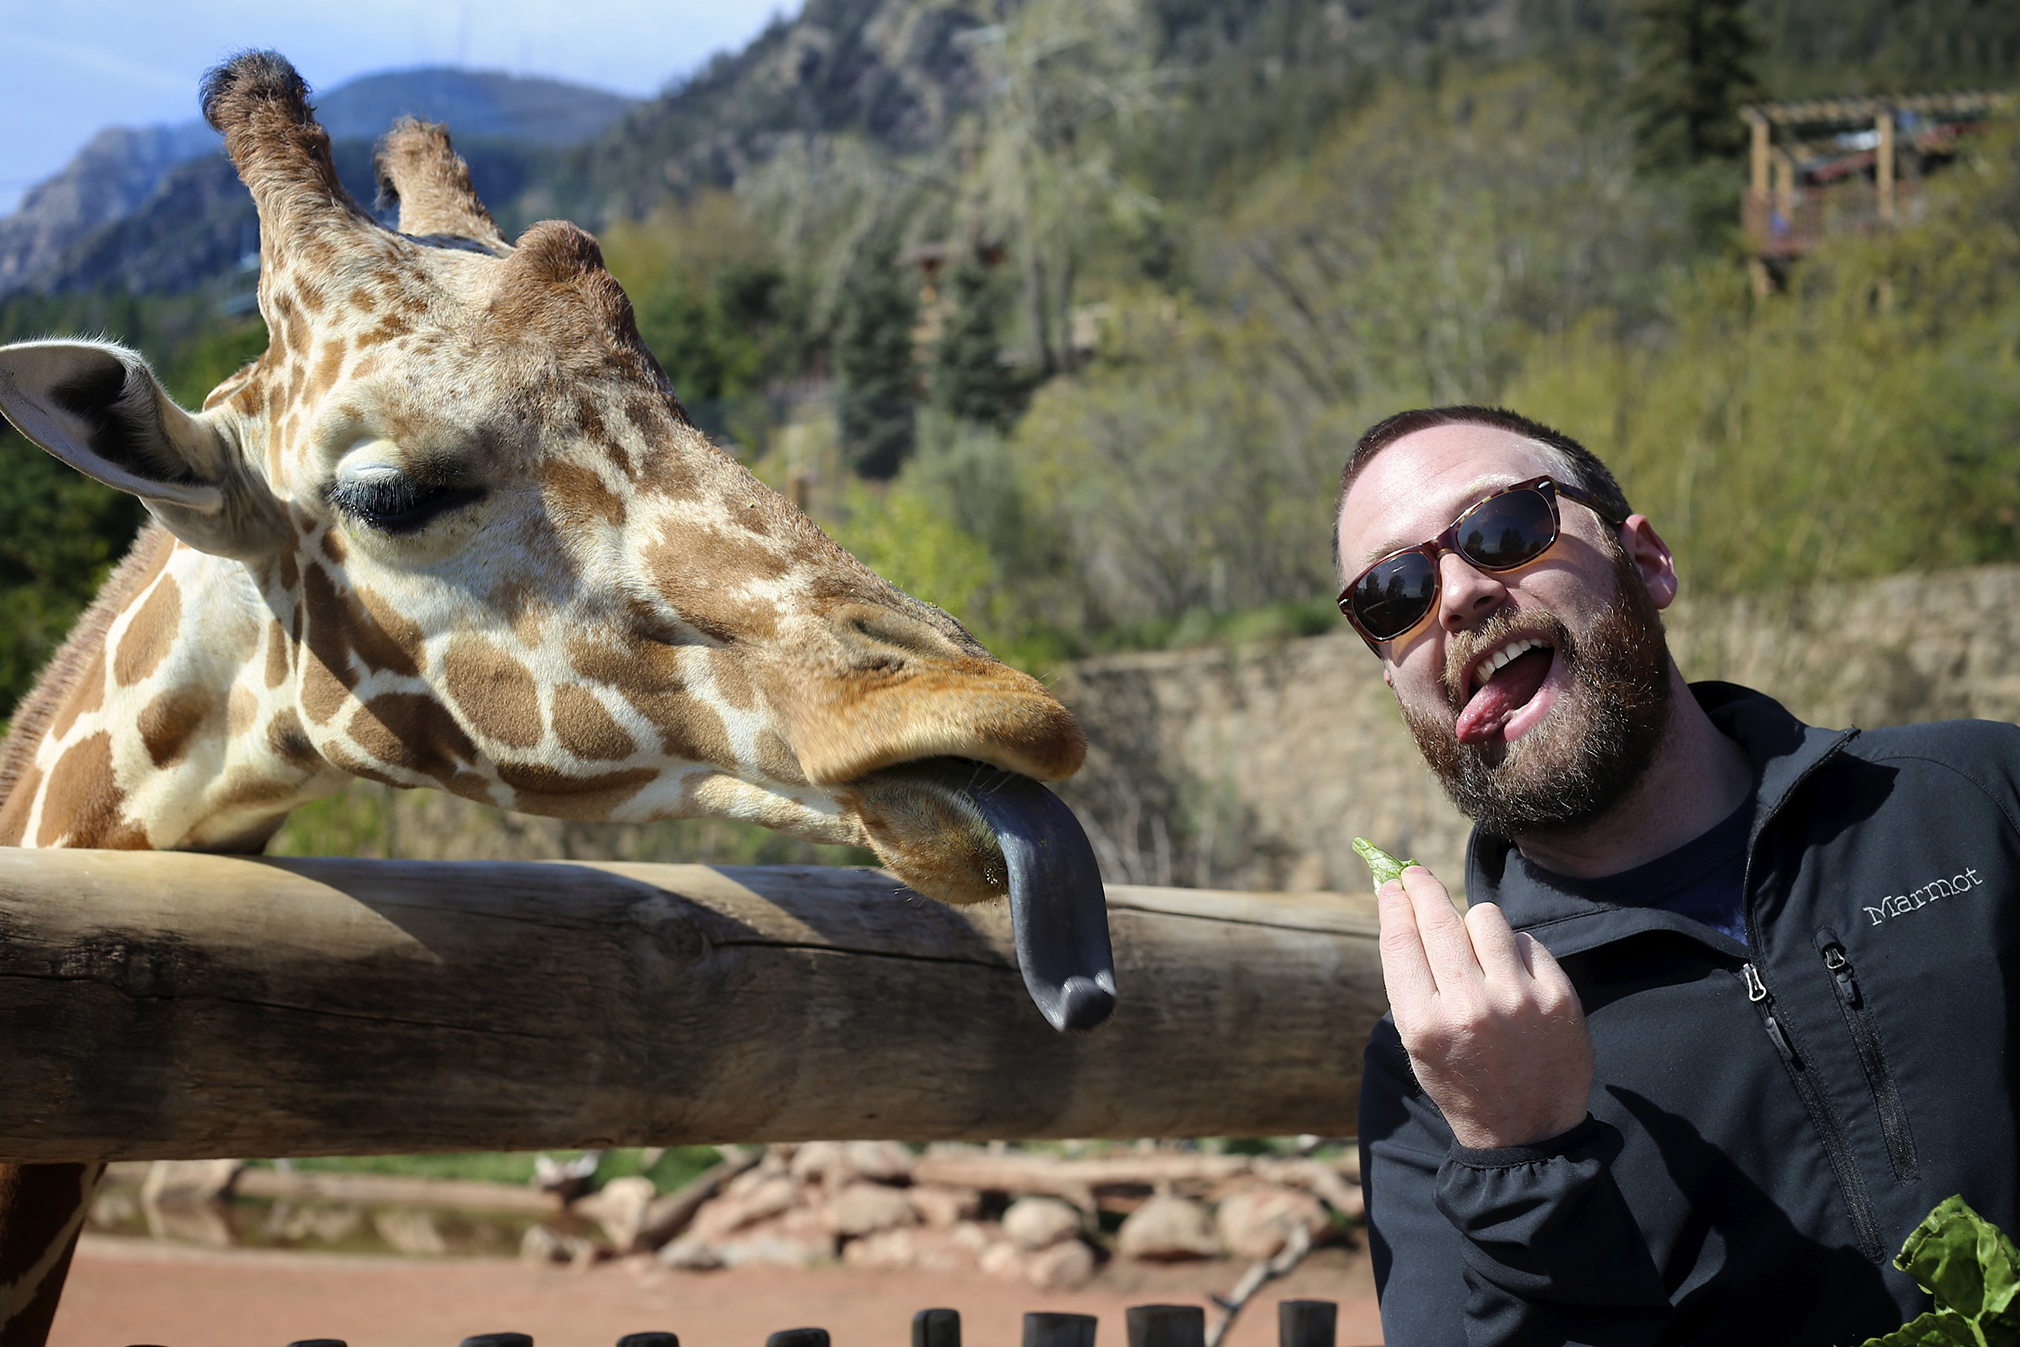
{"type": "Point", "coordinates": [388, 502]}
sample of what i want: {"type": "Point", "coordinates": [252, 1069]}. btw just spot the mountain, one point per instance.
{"type": "Point", "coordinates": [107, 180]}
{"type": "Point", "coordinates": [156, 209]}
{"type": "Point", "coordinates": [897, 72]}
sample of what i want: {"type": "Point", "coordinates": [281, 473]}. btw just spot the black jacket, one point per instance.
{"type": "Point", "coordinates": [1767, 1123]}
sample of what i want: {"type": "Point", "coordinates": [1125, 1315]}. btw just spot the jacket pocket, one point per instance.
{"type": "Point", "coordinates": [1865, 1033]}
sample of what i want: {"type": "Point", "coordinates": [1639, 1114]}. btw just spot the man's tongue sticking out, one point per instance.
{"type": "Point", "coordinates": [1502, 695]}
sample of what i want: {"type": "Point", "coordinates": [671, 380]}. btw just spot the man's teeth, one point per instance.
{"type": "Point", "coordinates": [1495, 662]}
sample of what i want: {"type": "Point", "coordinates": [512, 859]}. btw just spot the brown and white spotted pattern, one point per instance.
{"type": "Point", "coordinates": [454, 530]}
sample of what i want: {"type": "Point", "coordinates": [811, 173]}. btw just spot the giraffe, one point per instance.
{"type": "Point", "coordinates": [454, 530]}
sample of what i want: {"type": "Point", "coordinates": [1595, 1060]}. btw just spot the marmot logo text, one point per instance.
{"type": "Point", "coordinates": [1895, 905]}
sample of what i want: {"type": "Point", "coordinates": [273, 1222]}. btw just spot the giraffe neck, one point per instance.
{"type": "Point", "coordinates": [166, 721]}
{"type": "Point", "coordinates": [42, 1211]}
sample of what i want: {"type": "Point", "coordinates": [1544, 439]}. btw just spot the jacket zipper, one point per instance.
{"type": "Point", "coordinates": [1873, 1058]}
{"type": "Point", "coordinates": [1864, 1223]}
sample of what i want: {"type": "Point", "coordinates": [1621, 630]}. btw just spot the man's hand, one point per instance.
{"type": "Point", "coordinates": [1493, 1027]}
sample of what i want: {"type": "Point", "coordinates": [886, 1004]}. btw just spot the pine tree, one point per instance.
{"type": "Point", "coordinates": [969, 378]}
{"type": "Point", "coordinates": [874, 364]}
{"type": "Point", "coordinates": [1695, 70]}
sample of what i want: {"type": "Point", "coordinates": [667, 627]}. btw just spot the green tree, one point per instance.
{"type": "Point", "coordinates": [970, 380]}
{"type": "Point", "coordinates": [874, 363]}
{"type": "Point", "coordinates": [1695, 68]}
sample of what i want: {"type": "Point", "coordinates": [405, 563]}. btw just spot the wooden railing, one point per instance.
{"type": "Point", "coordinates": [171, 1006]}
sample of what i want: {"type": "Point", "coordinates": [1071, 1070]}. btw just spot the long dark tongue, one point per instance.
{"type": "Point", "coordinates": [1517, 682]}
{"type": "Point", "coordinates": [1058, 911]}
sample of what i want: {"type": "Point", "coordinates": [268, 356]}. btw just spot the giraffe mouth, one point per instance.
{"type": "Point", "coordinates": [962, 831]}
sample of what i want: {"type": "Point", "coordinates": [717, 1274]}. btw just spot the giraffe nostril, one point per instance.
{"type": "Point", "coordinates": [881, 638]}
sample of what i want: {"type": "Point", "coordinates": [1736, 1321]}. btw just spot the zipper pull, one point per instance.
{"type": "Point", "coordinates": [1757, 992]}
{"type": "Point", "coordinates": [1841, 970]}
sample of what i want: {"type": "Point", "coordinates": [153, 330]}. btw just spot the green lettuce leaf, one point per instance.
{"type": "Point", "coordinates": [1972, 1270]}
{"type": "Point", "coordinates": [1381, 864]}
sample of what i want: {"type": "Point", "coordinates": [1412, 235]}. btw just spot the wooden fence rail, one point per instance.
{"type": "Point", "coordinates": [169, 1006]}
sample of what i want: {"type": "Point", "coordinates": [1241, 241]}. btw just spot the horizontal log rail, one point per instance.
{"type": "Point", "coordinates": [170, 1006]}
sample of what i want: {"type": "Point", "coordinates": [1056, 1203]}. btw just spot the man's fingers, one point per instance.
{"type": "Point", "coordinates": [1406, 973]}
{"type": "Point", "coordinates": [1495, 943]}
{"type": "Point", "coordinates": [1447, 945]}
{"type": "Point", "coordinates": [1553, 984]}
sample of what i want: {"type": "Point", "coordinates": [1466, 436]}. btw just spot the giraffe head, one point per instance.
{"type": "Point", "coordinates": [495, 558]}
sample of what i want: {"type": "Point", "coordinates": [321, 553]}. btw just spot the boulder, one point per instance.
{"type": "Point", "coordinates": [744, 1204]}
{"type": "Point", "coordinates": [821, 1162]}
{"type": "Point", "coordinates": [943, 1207]}
{"type": "Point", "coordinates": [692, 1253]}
{"type": "Point", "coordinates": [865, 1208]}
{"type": "Point", "coordinates": [911, 1247]}
{"type": "Point", "coordinates": [1063, 1267]}
{"type": "Point", "coordinates": [1167, 1228]}
{"type": "Point", "coordinates": [879, 1161]}
{"type": "Point", "coordinates": [1041, 1222]}
{"type": "Point", "coordinates": [1256, 1222]}
{"type": "Point", "coordinates": [1004, 1259]}
{"type": "Point", "coordinates": [797, 1238]}
{"type": "Point", "coordinates": [620, 1207]}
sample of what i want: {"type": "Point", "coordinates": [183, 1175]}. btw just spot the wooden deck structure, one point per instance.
{"type": "Point", "coordinates": [1835, 165]}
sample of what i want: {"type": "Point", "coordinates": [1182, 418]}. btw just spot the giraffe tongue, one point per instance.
{"type": "Point", "coordinates": [1058, 911]}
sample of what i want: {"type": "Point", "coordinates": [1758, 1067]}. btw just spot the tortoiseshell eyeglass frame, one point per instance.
{"type": "Point", "coordinates": [1547, 487]}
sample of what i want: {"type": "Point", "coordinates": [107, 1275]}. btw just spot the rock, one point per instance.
{"type": "Point", "coordinates": [879, 1161]}
{"type": "Point", "coordinates": [692, 1253]}
{"type": "Point", "coordinates": [865, 1208]}
{"type": "Point", "coordinates": [821, 1162]}
{"type": "Point", "coordinates": [1167, 1228]}
{"type": "Point", "coordinates": [170, 1181]}
{"type": "Point", "coordinates": [1256, 1222]}
{"type": "Point", "coordinates": [1063, 1267]}
{"type": "Point", "coordinates": [798, 1238]}
{"type": "Point", "coordinates": [544, 1244]}
{"type": "Point", "coordinates": [943, 1207]}
{"type": "Point", "coordinates": [411, 1232]}
{"type": "Point", "coordinates": [974, 1237]}
{"type": "Point", "coordinates": [620, 1207]}
{"type": "Point", "coordinates": [911, 1247]}
{"type": "Point", "coordinates": [769, 1195]}
{"type": "Point", "coordinates": [1040, 1222]}
{"type": "Point", "coordinates": [1003, 1259]}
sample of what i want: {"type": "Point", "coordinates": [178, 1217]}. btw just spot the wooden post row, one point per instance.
{"type": "Point", "coordinates": [171, 1006]}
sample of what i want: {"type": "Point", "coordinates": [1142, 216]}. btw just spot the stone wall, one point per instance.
{"type": "Point", "coordinates": [1256, 767]}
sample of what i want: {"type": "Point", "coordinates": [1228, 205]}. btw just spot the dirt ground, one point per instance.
{"type": "Point", "coordinates": [125, 1291]}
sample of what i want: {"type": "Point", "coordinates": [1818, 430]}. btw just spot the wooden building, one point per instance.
{"type": "Point", "coordinates": [1846, 165]}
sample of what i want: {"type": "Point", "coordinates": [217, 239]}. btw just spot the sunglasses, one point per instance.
{"type": "Point", "coordinates": [1503, 532]}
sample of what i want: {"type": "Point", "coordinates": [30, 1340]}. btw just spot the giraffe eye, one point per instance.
{"type": "Point", "coordinates": [391, 502]}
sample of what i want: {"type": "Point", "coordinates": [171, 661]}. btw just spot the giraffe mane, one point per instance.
{"type": "Point", "coordinates": [59, 677]}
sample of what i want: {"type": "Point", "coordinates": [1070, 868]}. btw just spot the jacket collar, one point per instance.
{"type": "Point", "coordinates": [1783, 752]}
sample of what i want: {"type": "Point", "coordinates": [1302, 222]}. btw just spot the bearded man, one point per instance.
{"type": "Point", "coordinates": [1731, 1007]}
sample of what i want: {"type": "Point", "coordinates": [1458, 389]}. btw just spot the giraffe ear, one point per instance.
{"type": "Point", "coordinates": [99, 408]}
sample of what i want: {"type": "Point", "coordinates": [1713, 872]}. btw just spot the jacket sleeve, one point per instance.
{"type": "Point", "coordinates": [1502, 1248]}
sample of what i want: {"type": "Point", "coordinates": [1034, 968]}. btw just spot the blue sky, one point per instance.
{"type": "Point", "coordinates": [74, 66]}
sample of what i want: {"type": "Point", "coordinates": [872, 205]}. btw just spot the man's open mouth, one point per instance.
{"type": "Point", "coordinates": [1507, 685]}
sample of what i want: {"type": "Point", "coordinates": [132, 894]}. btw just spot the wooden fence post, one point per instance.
{"type": "Point", "coordinates": [936, 1328]}
{"type": "Point", "coordinates": [1059, 1330]}
{"type": "Point", "coordinates": [1166, 1326]}
{"type": "Point", "coordinates": [1307, 1323]}
{"type": "Point", "coordinates": [798, 1337]}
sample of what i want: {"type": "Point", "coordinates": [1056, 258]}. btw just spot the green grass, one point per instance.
{"type": "Point", "coordinates": [675, 1166]}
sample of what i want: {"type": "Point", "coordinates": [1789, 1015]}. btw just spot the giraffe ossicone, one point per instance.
{"type": "Point", "coordinates": [454, 530]}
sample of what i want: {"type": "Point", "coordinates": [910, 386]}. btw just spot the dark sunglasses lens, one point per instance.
{"type": "Point", "coordinates": [1508, 530]}
{"type": "Point", "coordinates": [1394, 596]}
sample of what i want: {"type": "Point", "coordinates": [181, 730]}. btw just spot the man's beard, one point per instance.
{"type": "Point", "coordinates": [1590, 749]}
